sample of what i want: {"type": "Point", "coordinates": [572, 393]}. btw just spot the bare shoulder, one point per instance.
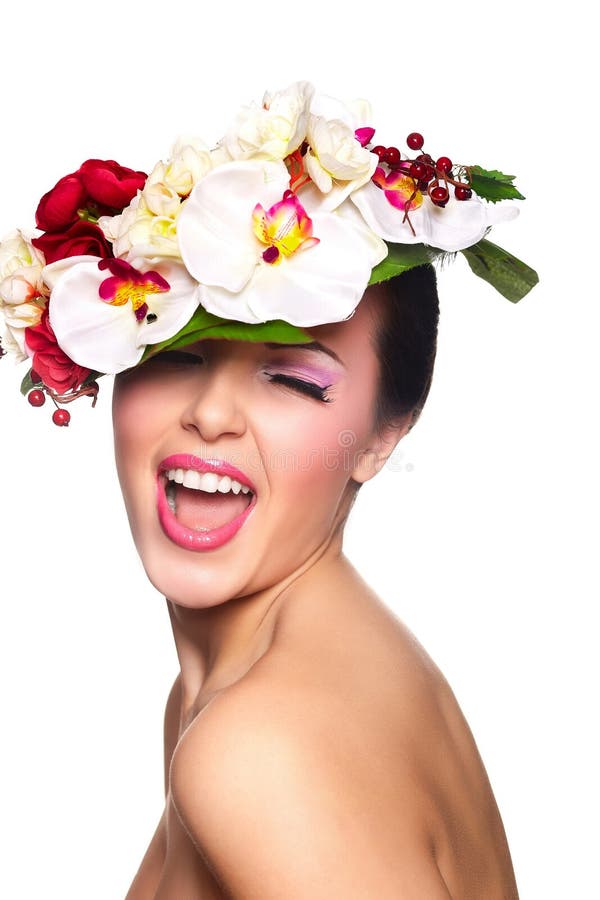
{"type": "Point", "coordinates": [281, 803]}
{"type": "Point", "coordinates": [345, 756]}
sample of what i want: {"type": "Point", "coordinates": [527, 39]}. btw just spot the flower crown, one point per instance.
{"type": "Point", "coordinates": [280, 227]}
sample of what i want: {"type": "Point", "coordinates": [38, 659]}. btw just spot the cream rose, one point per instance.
{"type": "Point", "coordinates": [23, 294]}
{"type": "Point", "coordinates": [275, 129]}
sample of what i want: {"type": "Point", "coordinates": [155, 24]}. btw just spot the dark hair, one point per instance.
{"type": "Point", "coordinates": [405, 341]}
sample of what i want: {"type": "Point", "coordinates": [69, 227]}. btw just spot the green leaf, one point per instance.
{"type": "Point", "coordinates": [511, 277]}
{"type": "Point", "coordinates": [204, 325]}
{"type": "Point", "coordinates": [28, 384]}
{"type": "Point", "coordinates": [400, 258]}
{"type": "Point", "coordinates": [492, 185]}
{"type": "Point", "coordinates": [93, 376]}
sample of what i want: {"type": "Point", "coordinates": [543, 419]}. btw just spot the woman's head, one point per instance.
{"type": "Point", "coordinates": [305, 449]}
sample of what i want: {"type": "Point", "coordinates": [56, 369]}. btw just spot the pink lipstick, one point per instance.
{"type": "Point", "coordinates": [189, 538]}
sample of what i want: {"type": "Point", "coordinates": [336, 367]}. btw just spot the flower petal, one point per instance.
{"type": "Point", "coordinates": [214, 230]}
{"type": "Point", "coordinates": [108, 338]}
{"type": "Point", "coordinates": [458, 225]}
{"type": "Point", "coordinates": [52, 272]}
{"type": "Point", "coordinates": [312, 287]}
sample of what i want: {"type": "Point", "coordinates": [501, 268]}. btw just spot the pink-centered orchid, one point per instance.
{"type": "Point", "coordinates": [383, 205]}
{"type": "Point", "coordinates": [105, 312]}
{"type": "Point", "coordinates": [285, 228]}
{"type": "Point", "coordinates": [249, 241]}
{"type": "Point", "coordinates": [399, 189]}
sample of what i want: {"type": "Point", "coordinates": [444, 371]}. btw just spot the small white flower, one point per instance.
{"type": "Point", "coordinates": [148, 225]}
{"type": "Point", "coordinates": [23, 293]}
{"type": "Point", "coordinates": [335, 159]}
{"type": "Point", "coordinates": [275, 129]}
{"type": "Point", "coordinates": [190, 160]}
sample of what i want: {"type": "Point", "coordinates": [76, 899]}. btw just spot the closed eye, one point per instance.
{"type": "Point", "coordinates": [303, 387]}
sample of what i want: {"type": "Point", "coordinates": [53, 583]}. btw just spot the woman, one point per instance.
{"type": "Point", "coordinates": [312, 748]}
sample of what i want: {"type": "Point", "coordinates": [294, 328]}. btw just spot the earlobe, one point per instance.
{"type": "Point", "coordinates": [373, 458]}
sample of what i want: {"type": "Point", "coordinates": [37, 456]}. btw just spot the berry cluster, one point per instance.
{"type": "Point", "coordinates": [60, 417]}
{"type": "Point", "coordinates": [430, 176]}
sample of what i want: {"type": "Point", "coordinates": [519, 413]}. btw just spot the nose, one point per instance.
{"type": "Point", "coordinates": [215, 408]}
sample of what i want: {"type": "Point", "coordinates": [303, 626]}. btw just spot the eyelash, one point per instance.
{"type": "Point", "coordinates": [303, 387]}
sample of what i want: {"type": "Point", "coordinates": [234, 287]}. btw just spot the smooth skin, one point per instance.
{"type": "Point", "coordinates": [312, 747]}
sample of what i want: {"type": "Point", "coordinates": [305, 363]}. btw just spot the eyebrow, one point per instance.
{"type": "Point", "coordinates": [314, 345]}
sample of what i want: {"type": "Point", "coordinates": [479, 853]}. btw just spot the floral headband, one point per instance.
{"type": "Point", "coordinates": [280, 227]}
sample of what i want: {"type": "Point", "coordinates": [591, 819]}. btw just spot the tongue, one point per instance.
{"type": "Point", "coordinates": [202, 511]}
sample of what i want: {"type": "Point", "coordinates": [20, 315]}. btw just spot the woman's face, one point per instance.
{"type": "Point", "coordinates": [230, 401]}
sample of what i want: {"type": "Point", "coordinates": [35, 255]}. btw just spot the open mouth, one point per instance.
{"type": "Point", "coordinates": [204, 501]}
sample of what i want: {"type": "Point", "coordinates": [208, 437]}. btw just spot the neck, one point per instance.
{"type": "Point", "coordinates": [217, 645]}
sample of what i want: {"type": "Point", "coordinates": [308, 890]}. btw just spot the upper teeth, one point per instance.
{"type": "Point", "coordinates": [207, 481]}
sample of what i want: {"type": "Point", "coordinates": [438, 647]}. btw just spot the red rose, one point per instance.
{"type": "Point", "coordinates": [109, 184]}
{"type": "Point", "coordinates": [100, 186]}
{"type": "Point", "coordinates": [80, 239]}
{"type": "Point", "coordinates": [58, 208]}
{"type": "Point", "coordinates": [52, 364]}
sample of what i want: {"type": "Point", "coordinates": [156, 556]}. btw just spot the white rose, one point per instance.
{"type": "Point", "coordinates": [335, 158]}
{"type": "Point", "coordinates": [190, 161]}
{"type": "Point", "coordinates": [12, 347]}
{"type": "Point", "coordinates": [151, 233]}
{"type": "Point", "coordinates": [275, 129]}
{"type": "Point", "coordinates": [22, 290]}
{"type": "Point", "coordinates": [21, 267]}
{"type": "Point", "coordinates": [19, 317]}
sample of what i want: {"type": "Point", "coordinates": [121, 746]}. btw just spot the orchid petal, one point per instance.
{"type": "Point", "coordinates": [316, 286]}
{"type": "Point", "coordinates": [460, 224]}
{"type": "Point", "coordinates": [53, 271]}
{"type": "Point", "coordinates": [215, 234]}
{"type": "Point", "coordinates": [108, 338]}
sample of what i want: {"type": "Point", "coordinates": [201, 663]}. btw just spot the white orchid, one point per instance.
{"type": "Point", "coordinates": [105, 312]}
{"type": "Point", "coordinates": [397, 212]}
{"type": "Point", "coordinates": [258, 256]}
{"type": "Point", "coordinates": [275, 129]}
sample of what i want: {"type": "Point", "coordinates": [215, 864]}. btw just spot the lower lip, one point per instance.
{"type": "Point", "coordinates": [196, 540]}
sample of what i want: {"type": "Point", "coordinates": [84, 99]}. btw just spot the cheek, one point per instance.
{"type": "Point", "coordinates": [137, 426]}
{"type": "Point", "coordinates": [311, 458]}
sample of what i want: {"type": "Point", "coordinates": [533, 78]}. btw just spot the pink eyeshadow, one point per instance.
{"type": "Point", "coordinates": [322, 377]}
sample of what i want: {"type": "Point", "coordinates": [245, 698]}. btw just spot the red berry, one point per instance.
{"type": "Point", "coordinates": [380, 150]}
{"type": "Point", "coordinates": [444, 164]}
{"type": "Point", "coordinates": [439, 195]}
{"type": "Point", "coordinates": [418, 170]}
{"type": "Point", "coordinates": [426, 158]}
{"type": "Point", "coordinates": [415, 140]}
{"type": "Point", "coordinates": [36, 398]}
{"type": "Point", "coordinates": [392, 156]}
{"type": "Point", "coordinates": [462, 193]}
{"type": "Point", "coordinates": [61, 417]}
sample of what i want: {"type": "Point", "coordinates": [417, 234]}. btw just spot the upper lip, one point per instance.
{"type": "Point", "coordinates": [220, 466]}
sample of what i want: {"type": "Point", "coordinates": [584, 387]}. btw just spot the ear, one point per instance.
{"type": "Point", "coordinates": [370, 460]}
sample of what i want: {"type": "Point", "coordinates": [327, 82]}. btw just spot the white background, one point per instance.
{"type": "Point", "coordinates": [481, 535]}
